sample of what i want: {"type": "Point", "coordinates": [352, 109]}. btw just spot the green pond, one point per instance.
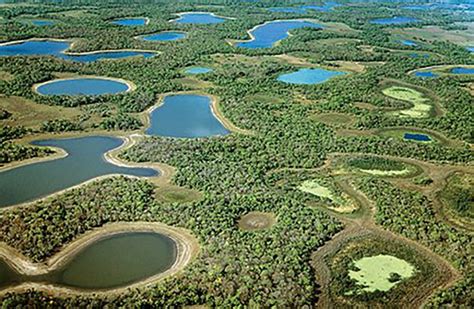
{"type": "Point", "coordinates": [114, 261]}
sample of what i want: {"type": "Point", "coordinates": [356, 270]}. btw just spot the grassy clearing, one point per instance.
{"type": "Point", "coordinates": [382, 167]}
{"type": "Point", "coordinates": [256, 220]}
{"type": "Point", "coordinates": [436, 33]}
{"type": "Point", "coordinates": [265, 98]}
{"type": "Point", "coordinates": [380, 272]}
{"type": "Point", "coordinates": [336, 119]}
{"type": "Point", "coordinates": [421, 108]}
{"type": "Point", "coordinates": [173, 194]}
{"type": "Point", "coordinates": [458, 196]}
{"type": "Point", "coordinates": [193, 83]}
{"type": "Point", "coordinates": [29, 114]}
{"type": "Point", "coordinates": [5, 76]}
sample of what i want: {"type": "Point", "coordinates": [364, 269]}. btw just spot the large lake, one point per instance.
{"type": "Point", "coordinates": [57, 49]}
{"type": "Point", "coordinates": [185, 115]}
{"type": "Point", "coordinates": [267, 34]}
{"type": "Point", "coordinates": [85, 161]}
{"type": "Point", "coordinates": [309, 76]}
{"type": "Point", "coordinates": [82, 86]}
{"type": "Point", "coordinates": [202, 18]}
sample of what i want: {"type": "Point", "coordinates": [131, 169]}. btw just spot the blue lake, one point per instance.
{"type": "Point", "coordinates": [415, 55]}
{"type": "Point", "coordinates": [185, 115]}
{"type": "Point", "coordinates": [164, 36]}
{"type": "Point", "coordinates": [42, 23]}
{"type": "Point", "coordinates": [426, 74]}
{"type": "Point", "coordinates": [82, 86]}
{"type": "Point", "coordinates": [394, 20]}
{"type": "Point", "coordinates": [408, 43]}
{"type": "Point", "coordinates": [326, 7]}
{"type": "Point", "coordinates": [462, 70]}
{"type": "Point", "coordinates": [199, 18]}
{"type": "Point", "coordinates": [417, 137]}
{"type": "Point", "coordinates": [130, 22]}
{"type": "Point", "coordinates": [267, 34]}
{"type": "Point", "coordinates": [57, 49]}
{"type": "Point", "coordinates": [309, 76]}
{"type": "Point", "coordinates": [84, 162]}
{"type": "Point", "coordinates": [471, 49]}
{"type": "Point", "coordinates": [198, 70]}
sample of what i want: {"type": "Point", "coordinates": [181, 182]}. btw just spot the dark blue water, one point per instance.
{"type": "Point", "coordinates": [164, 36]}
{"type": "Point", "coordinates": [41, 23]}
{"type": "Point", "coordinates": [462, 70]}
{"type": "Point", "coordinates": [84, 162]}
{"type": "Point", "coordinates": [130, 22]}
{"type": "Point", "coordinates": [82, 86]}
{"type": "Point", "coordinates": [425, 74]}
{"type": "Point", "coordinates": [57, 49]}
{"type": "Point", "coordinates": [199, 18]}
{"type": "Point", "coordinates": [264, 36]}
{"type": "Point", "coordinates": [198, 70]}
{"type": "Point", "coordinates": [417, 137]}
{"type": "Point", "coordinates": [309, 76]}
{"type": "Point", "coordinates": [326, 7]}
{"type": "Point", "coordinates": [185, 115]}
{"type": "Point", "coordinates": [394, 20]}
{"type": "Point", "coordinates": [408, 43]}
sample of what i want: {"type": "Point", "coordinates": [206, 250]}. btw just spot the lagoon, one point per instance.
{"type": "Point", "coordinates": [130, 22]}
{"type": "Point", "coordinates": [398, 20]}
{"type": "Point", "coordinates": [58, 48]}
{"type": "Point", "coordinates": [165, 36]}
{"type": "Point", "coordinates": [417, 137]}
{"type": "Point", "coordinates": [117, 260]}
{"type": "Point", "coordinates": [461, 70]}
{"type": "Point", "coordinates": [199, 18]}
{"type": "Point", "coordinates": [85, 161]}
{"type": "Point", "coordinates": [198, 70]}
{"type": "Point", "coordinates": [309, 76]}
{"type": "Point", "coordinates": [185, 115]}
{"type": "Point", "coordinates": [82, 86]}
{"type": "Point", "coordinates": [267, 34]}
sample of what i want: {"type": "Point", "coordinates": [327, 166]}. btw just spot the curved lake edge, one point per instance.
{"type": "Point", "coordinates": [164, 172]}
{"type": "Point", "coordinates": [438, 68]}
{"type": "Point", "coordinates": [252, 37]}
{"type": "Point", "coordinates": [131, 86]}
{"type": "Point", "coordinates": [187, 248]}
{"type": "Point", "coordinates": [181, 14]}
{"type": "Point", "coordinates": [215, 109]}
{"type": "Point", "coordinates": [73, 42]}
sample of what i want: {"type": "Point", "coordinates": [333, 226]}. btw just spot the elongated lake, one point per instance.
{"type": "Point", "coordinates": [199, 18]}
{"type": "Point", "coordinates": [417, 137]}
{"type": "Point", "coordinates": [164, 36]}
{"type": "Point", "coordinates": [42, 23]}
{"type": "Point", "coordinates": [58, 48]}
{"type": "Point", "coordinates": [426, 74]}
{"type": "Point", "coordinates": [267, 34]}
{"type": "Point", "coordinates": [185, 115]}
{"type": "Point", "coordinates": [309, 76]}
{"type": "Point", "coordinates": [461, 70]}
{"type": "Point", "coordinates": [85, 161]}
{"type": "Point", "coordinates": [198, 70]}
{"type": "Point", "coordinates": [82, 86]}
{"type": "Point", "coordinates": [130, 22]}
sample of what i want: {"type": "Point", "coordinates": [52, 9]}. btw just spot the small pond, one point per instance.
{"type": "Point", "coordinates": [198, 70]}
{"type": "Point", "coordinates": [185, 115]}
{"type": "Point", "coordinates": [309, 76]}
{"type": "Point", "coordinates": [82, 86]}
{"type": "Point", "coordinates": [408, 43]}
{"type": "Point", "coordinates": [202, 18]}
{"type": "Point", "coordinates": [42, 23]}
{"type": "Point", "coordinates": [164, 36]}
{"type": "Point", "coordinates": [417, 137]}
{"type": "Point", "coordinates": [461, 70]}
{"type": "Point", "coordinates": [426, 74]}
{"type": "Point", "coordinates": [130, 22]}
{"type": "Point", "coordinates": [85, 161]}
{"type": "Point", "coordinates": [267, 34]}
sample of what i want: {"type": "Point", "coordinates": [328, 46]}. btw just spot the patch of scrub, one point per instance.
{"type": "Point", "coordinates": [82, 86]}
{"type": "Point", "coordinates": [185, 115]}
{"type": "Point", "coordinates": [380, 272]}
{"type": "Point", "coordinates": [199, 18]}
{"type": "Point", "coordinates": [336, 119]}
{"type": "Point", "coordinates": [397, 20]}
{"type": "Point", "coordinates": [269, 33]}
{"type": "Point", "coordinates": [85, 161]}
{"type": "Point", "coordinates": [461, 70]}
{"type": "Point", "coordinates": [256, 220]}
{"type": "Point", "coordinates": [117, 260]}
{"type": "Point", "coordinates": [458, 196]}
{"type": "Point", "coordinates": [380, 166]}
{"type": "Point", "coordinates": [130, 22]}
{"type": "Point", "coordinates": [421, 108]}
{"type": "Point", "coordinates": [198, 70]}
{"type": "Point", "coordinates": [164, 36]}
{"type": "Point", "coordinates": [58, 49]}
{"type": "Point", "coordinates": [309, 76]}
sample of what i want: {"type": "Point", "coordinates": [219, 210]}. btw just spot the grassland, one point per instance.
{"type": "Point", "coordinates": [436, 33]}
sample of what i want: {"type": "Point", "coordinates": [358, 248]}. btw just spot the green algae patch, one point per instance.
{"type": "Point", "coordinates": [329, 193]}
{"type": "Point", "coordinates": [421, 107]}
{"type": "Point", "coordinates": [312, 187]}
{"type": "Point", "coordinates": [380, 272]}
